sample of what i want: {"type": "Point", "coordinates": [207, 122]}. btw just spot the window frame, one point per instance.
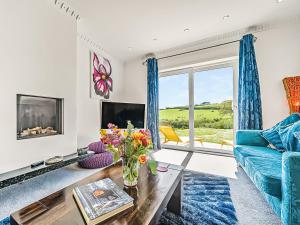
{"type": "Point", "coordinates": [231, 62]}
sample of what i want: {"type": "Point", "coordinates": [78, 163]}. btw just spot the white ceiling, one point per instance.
{"type": "Point", "coordinates": [117, 25]}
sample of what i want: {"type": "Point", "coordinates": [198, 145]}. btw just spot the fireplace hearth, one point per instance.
{"type": "Point", "coordinates": [39, 116]}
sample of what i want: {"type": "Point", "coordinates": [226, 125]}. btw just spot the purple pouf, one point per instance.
{"type": "Point", "coordinates": [97, 147]}
{"type": "Point", "coordinates": [101, 158]}
{"type": "Point", "coordinates": [97, 161]}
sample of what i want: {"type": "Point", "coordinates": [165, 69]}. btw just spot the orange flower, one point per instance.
{"type": "Point", "coordinates": [142, 159]}
{"type": "Point", "coordinates": [137, 136]}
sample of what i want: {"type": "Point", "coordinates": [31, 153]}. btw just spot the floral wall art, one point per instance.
{"type": "Point", "coordinates": [101, 81]}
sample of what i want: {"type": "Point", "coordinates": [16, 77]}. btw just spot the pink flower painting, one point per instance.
{"type": "Point", "coordinates": [102, 82]}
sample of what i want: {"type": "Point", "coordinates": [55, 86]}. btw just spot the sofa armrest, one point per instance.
{"type": "Point", "coordinates": [290, 209]}
{"type": "Point", "coordinates": [250, 137]}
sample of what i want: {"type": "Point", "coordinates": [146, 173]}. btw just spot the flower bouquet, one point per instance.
{"type": "Point", "coordinates": [133, 147]}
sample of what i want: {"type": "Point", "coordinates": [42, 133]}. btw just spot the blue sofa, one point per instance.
{"type": "Point", "coordinates": [275, 174]}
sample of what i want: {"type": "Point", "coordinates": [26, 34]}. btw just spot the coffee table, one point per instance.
{"type": "Point", "coordinates": [151, 196]}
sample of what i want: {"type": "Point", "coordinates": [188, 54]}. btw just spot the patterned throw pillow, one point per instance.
{"type": "Point", "coordinates": [272, 135]}
{"type": "Point", "coordinates": [297, 135]}
{"type": "Point", "coordinates": [288, 137]}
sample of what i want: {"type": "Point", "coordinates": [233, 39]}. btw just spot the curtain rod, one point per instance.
{"type": "Point", "coordinates": [200, 49]}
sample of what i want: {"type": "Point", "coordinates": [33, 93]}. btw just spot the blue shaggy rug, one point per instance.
{"type": "Point", "coordinates": [206, 200]}
{"type": "Point", "coordinates": [5, 221]}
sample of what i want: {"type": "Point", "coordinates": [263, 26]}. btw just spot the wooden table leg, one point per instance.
{"type": "Point", "coordinates": [174, 204]}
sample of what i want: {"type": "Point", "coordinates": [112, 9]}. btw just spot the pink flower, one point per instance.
{"type": "Point", "coordinates": [101, 76]}
{"type": "Point", "coordinates": [115, 142]}
{"type": "Point", "coordinates": [146, 133]}
{"type": "Point", "coordinates": [111, 126]}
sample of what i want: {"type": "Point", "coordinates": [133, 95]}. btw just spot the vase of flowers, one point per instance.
{"type": "Point", "coordinates": [133, 147]}
{"type": "Point", "coordinates": [130, 171]}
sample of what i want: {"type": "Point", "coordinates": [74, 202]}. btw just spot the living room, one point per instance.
{"type": "Point", "coordinates": [200, 79]}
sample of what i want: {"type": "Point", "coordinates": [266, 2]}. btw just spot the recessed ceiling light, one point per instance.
{"type": "Point", "coordinates": [278, 1]}
{"type": "Point", "coordinates": [186, 30]}
{"type": "Point", "coordinates": [154, 39]}
{"type": "Point", "coordinates": [130, 48]}
{"type": "Point", "coordinates": [226, 17]}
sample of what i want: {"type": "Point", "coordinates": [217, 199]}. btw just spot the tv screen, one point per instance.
{"type": "Point", "coordinates": [120, 113]}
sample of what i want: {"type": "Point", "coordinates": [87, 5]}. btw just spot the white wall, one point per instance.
{"type": "Point", "coordinates": [88, 109]}
{"type": "Point", "coordinates": [135, 84]}
{"type": "Point", "coordinates": [278, 56]}
{"type": "Point", "coordinates": [38, 57]}
{"type": "Point", "coordinates": [136, 73]}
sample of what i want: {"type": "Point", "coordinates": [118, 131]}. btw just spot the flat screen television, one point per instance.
{"type": "Point", "coordinates": [119, 113]}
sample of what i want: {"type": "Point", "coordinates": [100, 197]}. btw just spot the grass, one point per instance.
{"type": "Point", "coordinates": [210, 121]}
{"type": "Point", "coordinates": [183, 114]}
{"type": "Point", "coordinates": [209, 134]}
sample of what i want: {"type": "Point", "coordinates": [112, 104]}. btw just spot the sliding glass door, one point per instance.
{"type": "Point", "coordinates": [174, 109]}
{"type": "Point", "coordinates": [213, 108]}
{"type": "Point", "coordinates": [196, 109]}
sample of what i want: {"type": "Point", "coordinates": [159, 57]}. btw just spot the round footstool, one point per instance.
{"type": "Point", "coordinates": [97, 161]}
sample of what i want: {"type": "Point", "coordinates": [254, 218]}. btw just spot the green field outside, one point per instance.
{"type": "Point", "coordinates": [209, 134]}
{"type": "Point", "coordinates": [183, 114]}
{"type": "Point", "coordinates": [213, 122]}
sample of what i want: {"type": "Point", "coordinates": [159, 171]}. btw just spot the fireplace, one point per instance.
{"type": "Point", "coordinates": [38, 116]}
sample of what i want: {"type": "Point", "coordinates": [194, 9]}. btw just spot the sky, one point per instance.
{"type": "Point", "coordinates": [213, 86]}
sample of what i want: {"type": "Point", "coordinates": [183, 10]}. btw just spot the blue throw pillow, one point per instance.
{"type": "Point", "coordinates": [272, 135]}
{"type": "Point", "coordinates": [289, 137]}
{"type": "Point", "coordinates": [297, 135]}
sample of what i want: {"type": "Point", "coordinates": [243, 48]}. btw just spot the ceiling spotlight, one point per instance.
{"type": "Point", "coordinates": [278, 1]}
{"type": "Point", "coordinates": [186, 30]}
{"type": "Point", "coordinates": [226, 17]}
{"type": "Point", "coordinates": [130, 48]}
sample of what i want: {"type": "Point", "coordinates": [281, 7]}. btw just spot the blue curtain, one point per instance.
{"type": "Point", "coordinates": [249, 102]}
{"type": "Point", "coordinates": [152, 101]}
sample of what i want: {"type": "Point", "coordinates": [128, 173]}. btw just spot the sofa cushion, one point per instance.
{"type": "Point", "coordinates": [241, 152]}
{"type": "Point", "coordinates": [297, 135]}
{"type": "Point", "coordinates": [265, 173]}
{"type": "Point", "coordinates": [288, 135]}
{"type": "Point", "coordinates": [250, 137]}
{"type": "Point", "coordinates": [272, 135]}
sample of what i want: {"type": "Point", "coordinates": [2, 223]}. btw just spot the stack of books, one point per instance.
{"type": "Point", "coordinates": [101, 200]}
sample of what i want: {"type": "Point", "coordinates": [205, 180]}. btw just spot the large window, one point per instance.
{"type": "Point", "coordinates": [196, 109]}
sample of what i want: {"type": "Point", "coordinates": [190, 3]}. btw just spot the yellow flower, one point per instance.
{"type": "Point", "coordinates": [136, 143]}
{"type": "Point", "coordinates": [103, 132]}
{"type": "Point", "coordinates": [125, 133]}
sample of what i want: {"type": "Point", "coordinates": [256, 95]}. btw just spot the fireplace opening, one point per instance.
{"type": "Point", "coordinates": [38, 116]}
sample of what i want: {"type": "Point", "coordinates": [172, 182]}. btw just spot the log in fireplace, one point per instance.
{"type": "Point", "coordinates": [38, 116]}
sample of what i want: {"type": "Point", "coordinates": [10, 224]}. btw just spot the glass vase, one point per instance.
{"type": "Point", "coordinates": [130, 172]}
